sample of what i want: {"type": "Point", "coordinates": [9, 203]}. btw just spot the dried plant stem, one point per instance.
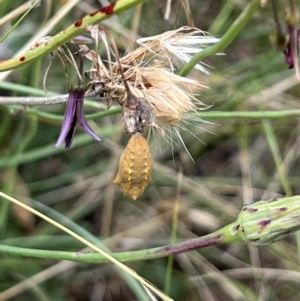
{"type": "Point", "coordinates": [244, 158]}
{"type": "Point", "coordinates": [33, 101]}
{"type": "Point", "coordinates": [21, 9]}
{"type": "Point", "coordinates": [168, 9]}
{"type": "Point", "coordinates": [135, 24]}
{"type": "Point", "coordinates": [33, 281]}
{"type": "Point", "coordinates": [231, 33]}
{"type": "Point", "coordinates": [245, 163]}
{"type": "Point", "coordinates": [38, 101]}
{"type": "Point", "coordinates": [245, 272]}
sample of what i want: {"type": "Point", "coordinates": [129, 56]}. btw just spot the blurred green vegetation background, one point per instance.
{"type": "Point", "coordinates": [237, 159]}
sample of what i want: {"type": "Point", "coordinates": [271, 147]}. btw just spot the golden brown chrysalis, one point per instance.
{"type": "Point", "coordinates": [135, 167]}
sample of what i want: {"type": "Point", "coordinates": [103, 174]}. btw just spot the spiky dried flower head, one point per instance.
{"type": "Point", "coordinates": [175, 48]}
{"type": "Point", "coordinates": [149, 72]}
{"type": "Point", "coordinates": [135, 167]}
{"type": "Point", "coordinates": [170, 95]}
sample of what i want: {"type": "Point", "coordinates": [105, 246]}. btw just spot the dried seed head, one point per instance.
{"type": "Point", "coordinates": [135, 167]}
{"type": "Point", "coordinates": [174, 48]}
{"type": "Point", "coordinates": [169, 95]}
{"type": "Point", "coordinates": [149, 73]}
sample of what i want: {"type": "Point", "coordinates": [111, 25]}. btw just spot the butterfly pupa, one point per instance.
{"type": "Point", "coordinates": [135, 167]}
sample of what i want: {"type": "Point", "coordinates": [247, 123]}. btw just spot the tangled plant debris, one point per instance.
{"type": "Point", "coordinates": [144, 83]}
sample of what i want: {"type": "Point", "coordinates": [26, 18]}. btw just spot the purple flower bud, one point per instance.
{"type": "Point", "coordinates": [288, 56]}
{"type": "Point", "coordinates": [292, 48]}
{"type": "Point", "coordinates": [74, 114]}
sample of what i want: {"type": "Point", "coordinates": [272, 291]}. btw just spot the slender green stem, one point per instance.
{"type": "Point", "coordinates": [274, 147]}
{"type": "Point", "coordinates": [219, 237]}
{"type": "Point", "coordinates": [19, 21]}
{"type": "Point", "coordinates": [84, 139]}
{"type": "Point", "coordinates": [297, 237]}
{"type": "Point", "coordinates": [249, 114]}
{"type": "Point", "coordinates": [173, 240]}
{"type": "Point", "coordinates": [63, 220]}
{"type": "Point", "coordinates": [280, 213]}
{"type": "Point", "coordinates": [10, 175]}
{"type": "Point", "coordinates": [42, 241]}
{"type": "Point", "coordinates": [4, 125]}
{"type": "Point", "coordinates": [25, 131]}
{"type": "Point", "coordinates": [231, 33]}
{"type": "Point", "coordinates": [66, 35]}
{"type": "Point", "coordinates": [5, 85]}
{"type": "Point", "coordinates": [274, 4]}
{"type": "Point", "coordinates": [118, 264]}
{"type": "Point", "coordinates": [48, 150]}
{"type": "Point", "coordinates": [222, 18]}
{"type": "Point", "coordinates": [207, 115]}
{"type": "Point", "coordinates": [54, 117]}
{"type": "Point", "coordinates": [168, 278]}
